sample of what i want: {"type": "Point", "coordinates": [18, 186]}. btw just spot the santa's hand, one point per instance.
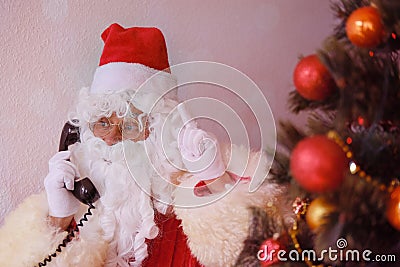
{"type": "Point", "coordinates": [201, 153]}
{"type": "Point", "coordinates": [61, 176]}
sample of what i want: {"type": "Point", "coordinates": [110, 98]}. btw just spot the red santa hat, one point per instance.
{"type": "Point", "coordinates": [130, 57]}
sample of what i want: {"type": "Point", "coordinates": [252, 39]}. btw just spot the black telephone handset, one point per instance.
{"type": "Point", "coordinates": [84, 190]}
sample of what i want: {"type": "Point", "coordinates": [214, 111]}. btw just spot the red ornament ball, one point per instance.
{"type": "Point", "coordinates": [318, 164]}
{"type": "Point", "coordinates": [268, 253]}
{"type": "Point", "coordinates": [364, 27]}
{"type": "Point", "coordinates": [393, 209]}
{"type": "Point", "coordinates": [312, 79]}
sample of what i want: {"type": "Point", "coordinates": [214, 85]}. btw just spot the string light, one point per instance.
{"type": "Point", "coordinates": [354, 167]}
{"type": "Point", "coordinates": [300, 208]}
{"type": "Point", "coordinates": [349, 140]}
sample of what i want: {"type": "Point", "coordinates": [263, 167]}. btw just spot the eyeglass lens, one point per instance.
{"type": "Point", "coordinates": [129, 127]}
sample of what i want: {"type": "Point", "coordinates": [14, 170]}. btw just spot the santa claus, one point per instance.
{"type": "Point", "coordinates": [168, 195]}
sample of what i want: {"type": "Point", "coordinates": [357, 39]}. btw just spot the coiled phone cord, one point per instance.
{"type": "Point", "coordinates": [68, 238]}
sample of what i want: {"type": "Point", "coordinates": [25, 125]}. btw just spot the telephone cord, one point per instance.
{"type": "Point", "coordinates": [67, 239]}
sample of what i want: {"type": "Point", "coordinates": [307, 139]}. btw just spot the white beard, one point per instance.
{"type": "Point", "coordinates": [125, 208]}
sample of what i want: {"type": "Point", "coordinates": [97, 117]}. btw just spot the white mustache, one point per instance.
{"type": "Point", "coordinates": [101, 162]}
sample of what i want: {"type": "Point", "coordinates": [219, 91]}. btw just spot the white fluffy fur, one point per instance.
{"type": "Point", "coordinates": [216, 231]}
{"type": "Point", "coordinates": [26, 239]}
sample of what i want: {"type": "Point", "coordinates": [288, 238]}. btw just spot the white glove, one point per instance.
{"type": "Point", "coordinates": [201, 153]}
{"type": "Point", "coordinates": [61, 176]}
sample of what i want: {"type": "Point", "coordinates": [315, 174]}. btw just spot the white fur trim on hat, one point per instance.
{"type": "Point", "coordinates": [119, 76]}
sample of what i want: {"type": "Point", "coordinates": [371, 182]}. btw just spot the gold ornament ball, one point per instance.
{"type": "Point", "coordinates": [393, 208]}
{"type": "Point", "coordinates": [317, 213]}
{"type": "Point", "coordinates": [365, 28]}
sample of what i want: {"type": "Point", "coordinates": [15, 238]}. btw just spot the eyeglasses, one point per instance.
{"type": "Point", "coordinates": [130, 127]}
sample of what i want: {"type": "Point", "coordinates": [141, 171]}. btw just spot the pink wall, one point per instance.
{"type": "Point", "coordinates": [50, 50]}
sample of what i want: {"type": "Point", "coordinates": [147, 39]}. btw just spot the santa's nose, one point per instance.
{"type": "Point", "coordinates": [114, 136]}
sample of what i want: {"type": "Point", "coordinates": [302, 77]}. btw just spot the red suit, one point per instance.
{"type": "Point", "coordinates": [170, 248]}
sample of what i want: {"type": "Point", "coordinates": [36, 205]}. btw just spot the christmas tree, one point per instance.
{"type": "Point", "coordinates": [343, 168]}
